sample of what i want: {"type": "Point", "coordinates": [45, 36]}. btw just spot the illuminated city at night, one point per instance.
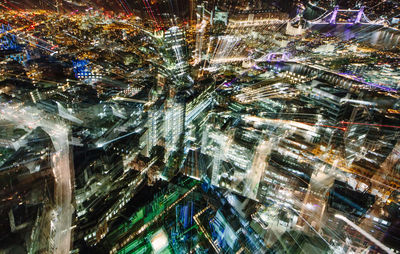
{"type": "Point", "coordinates": [199, 127]}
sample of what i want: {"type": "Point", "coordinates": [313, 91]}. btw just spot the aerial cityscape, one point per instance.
{"type": "Point", "coordinates": [191, 126]}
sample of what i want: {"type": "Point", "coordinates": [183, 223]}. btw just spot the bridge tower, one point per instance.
{"type": "Point", "coordinates": [359, 15]}
{"type": "Point", "coordinates": [334, 14]}
{"type": "Point", "coordinates": [59, 6]}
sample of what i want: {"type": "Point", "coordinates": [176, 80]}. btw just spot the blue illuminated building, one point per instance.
{"type": "Point", "coordinates": [81, 69]}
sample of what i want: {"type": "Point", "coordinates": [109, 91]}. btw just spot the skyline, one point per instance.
{"type": "Point", "coordinates": [200, 126]}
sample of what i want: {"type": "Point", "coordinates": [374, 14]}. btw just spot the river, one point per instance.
{"type": "Point", "coordinates": [377, 35]}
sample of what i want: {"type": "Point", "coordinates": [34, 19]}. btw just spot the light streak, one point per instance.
{"type": "Point", "coordinates": [123, 6]}
{"type": "Point", "coordinates": [311, 227]}
{"type": "Point", "coordinates": [150, 12]}
{"type": "Point", "coordinates": [128, 7]}
{"type": "Point", "coordinates": [371, 124]}
{"type": "Point", "coordinates": [364, 233]}
{"type": "Point", "coordinates": [102, 144]}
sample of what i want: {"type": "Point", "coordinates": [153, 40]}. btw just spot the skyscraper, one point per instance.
{"type": "Point", "coordinates": [175, 56]}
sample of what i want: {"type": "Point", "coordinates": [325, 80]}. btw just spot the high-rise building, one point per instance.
{"type": "Point", "coordinates": [333, 107]}
{"type": "Point", "coordinates": [175, 56]}
{"type": "Point", "coordinates": [155, 126]}
{"type": "Point", "coordinates": [174, 125]}
{"type": "Point", "coordinates": [356, 135]}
